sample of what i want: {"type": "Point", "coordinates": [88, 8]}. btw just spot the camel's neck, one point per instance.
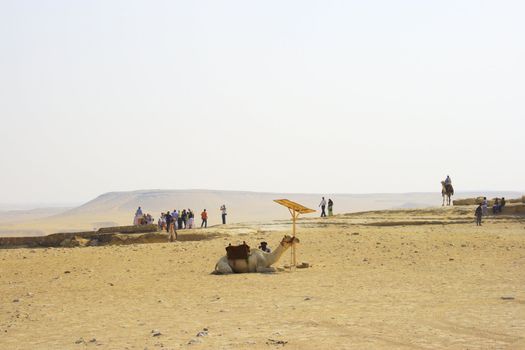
{"type": "Point", "coordinates": [275, 255]}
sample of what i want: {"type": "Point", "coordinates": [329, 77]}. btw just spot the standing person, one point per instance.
{"type": "Point", "coordinates": [495, 206]}
{"type": "Point", "coordinates": [484, 206]}
{"type": "Point", "coordinates": [176, 213]}
{"type": "Point", "coordinates": [163, 222]}
{"type": "Point", "coordinates": [184, 217]}
{"type": "Point", "coordinates": [323, 206]}
{"type": "Point", "coordinates": [172, 233]}
{"type": "Point", "coordinates": [501, 204]}
{"type": "Point", "coordinates": [479, 214]}
{"type": "Point", "coordinates": [169, 221]}
{"type": "Point", "coordinates": [330, 207]}
{"type": "Point", "coordinates": [179, 220]}
{"type": "Point", "coordinates": [175, 217]}
{"type": "Point", "coordinates": [191, 218]}
{"type": "Point", "coordinates": [138, 215]}
{"type": "Point", "coordinates": [159, 222]}
{"type": "Point", "coordinates": [204, 217]}
{"type": "Point", "coordinates": [223, 214]}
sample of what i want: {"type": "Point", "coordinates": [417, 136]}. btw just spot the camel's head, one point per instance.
{"type": "Point", "coordinates": [289, 240]}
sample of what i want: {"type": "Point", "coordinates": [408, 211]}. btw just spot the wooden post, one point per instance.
{"type": "Point", "coordinates": [295, 210]}
{"type": "Point", "coordinates": [292, 248]}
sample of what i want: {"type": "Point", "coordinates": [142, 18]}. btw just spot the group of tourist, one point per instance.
{"type": "Point", "coordinates": [176, 219]}
{"type": "Point", "coordinates": [323, 207]}
{"type": "Point", "coordinates": [483, 208]}
{"type": "Point", "coordinates": [141, 218]}
{"type": "Point", "coordinates": [498, 205]}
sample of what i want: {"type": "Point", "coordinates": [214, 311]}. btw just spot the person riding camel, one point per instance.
{"type": "Point", "coordinates": [448, 184]}
{"type": "Point", "coordinates": [448, 181]}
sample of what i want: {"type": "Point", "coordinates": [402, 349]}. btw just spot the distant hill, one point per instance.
{"type": "Point", "coordinates": [13, 216]}
{"type": "Point", "coordinates": [118, 208]}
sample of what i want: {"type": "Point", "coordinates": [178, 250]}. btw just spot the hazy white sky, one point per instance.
{"type": "Point", "coordinates": [295, 96]}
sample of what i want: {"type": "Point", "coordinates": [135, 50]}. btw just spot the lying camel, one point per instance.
{"type": "Point", "coordinates": [258, 261]}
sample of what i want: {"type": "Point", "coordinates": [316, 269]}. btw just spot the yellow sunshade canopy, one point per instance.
{"type": "Point", "coordinates": [298, 208]}
{"type": "Point", "coordinates": [295, 210]}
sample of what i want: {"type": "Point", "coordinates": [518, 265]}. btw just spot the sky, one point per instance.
{"type": "Point", "coordinates": [277, 96]}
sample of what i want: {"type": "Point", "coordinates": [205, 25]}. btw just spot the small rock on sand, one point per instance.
{"type": "Point", "coordinates": [203, 333]}
{"type": "Point", "coordinates": [80, 341]}
{"type": "Point", "coordinates": [276, 342]}
{"type": "Point", "coordinates": [507, 297]}
{"type": "Point", "coordinates": [303, 265]}
{"type": "Point", "coordinates": [156, 333]}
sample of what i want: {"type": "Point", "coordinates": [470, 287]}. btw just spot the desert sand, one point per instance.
{"type": "Point", "coordinates": [408, 279]}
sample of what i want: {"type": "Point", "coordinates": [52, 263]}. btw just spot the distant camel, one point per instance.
{"type": "Point", "coordinates": [448, 191]}
{"type": "Point", "coordinates": [258, 261]}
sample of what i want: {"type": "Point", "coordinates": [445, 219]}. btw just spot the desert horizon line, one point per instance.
{"type": "Point", "coordinates": [42, 204]}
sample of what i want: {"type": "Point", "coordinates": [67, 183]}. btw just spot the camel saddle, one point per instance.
{"type": "Point", "coordinates": [234, 252]}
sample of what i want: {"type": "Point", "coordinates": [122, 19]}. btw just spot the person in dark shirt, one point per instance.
{"type": "Point", "coordinates": [179, 220]}
{"type": "Point", "coordinates": [184, 217]}
{"type": "Point", "coordinates": [495, 206]}
{"type": "Point", "coordinates": [169, 221]}
{"type": "Point", "coordinates": [479, 214]}
{"type": "Point", "coordinates": [264, 247]}
{"type": "Point", "coordinates": [501, 204]}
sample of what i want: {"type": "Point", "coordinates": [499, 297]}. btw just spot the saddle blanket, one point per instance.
{"type": "Point", "coordinates": [238, 251]}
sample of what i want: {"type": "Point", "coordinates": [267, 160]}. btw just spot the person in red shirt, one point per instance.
{"type": "Point", "coordinates": [204, 217]}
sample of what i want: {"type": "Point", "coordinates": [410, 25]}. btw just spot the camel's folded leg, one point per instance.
{"type": "Point", "coordinates": [265, 269]}
{"type": "Point", "coordinates": [223, 267]}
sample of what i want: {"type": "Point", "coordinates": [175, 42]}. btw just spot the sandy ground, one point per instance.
{"type": "Point", "coordinates": [383, 280]}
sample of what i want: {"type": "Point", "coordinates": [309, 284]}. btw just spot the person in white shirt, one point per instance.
{"type": "Point", "coordinates": [323, 206]}
{"type": "Point", "coordinates": [223, 214]}
{"type": "Point", "coordinates": [484, 206]}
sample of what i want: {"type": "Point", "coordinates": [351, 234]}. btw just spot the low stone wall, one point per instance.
{"type": "Point", "coordinates": [467, 201]}
{"type": "Point", "coordinates": [129, 229]}
{"type": "Point", "coordinates": [70, 239]}
{"type": "Point", "coordinates": [514, 209]}
{"type": "Point", "coordinates": [478, 200]}
{"type": "Point", "coordinates": [517, 200]}
{"type": "Point", "coordinates": [118, 235]}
